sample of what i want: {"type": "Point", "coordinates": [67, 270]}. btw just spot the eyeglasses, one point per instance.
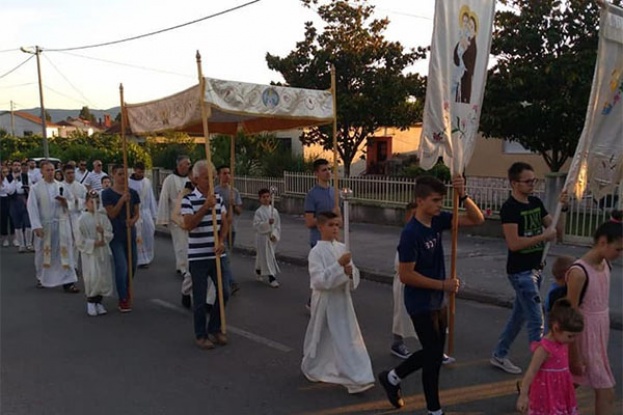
{"type": "Point", "coordinates": [529, 181]}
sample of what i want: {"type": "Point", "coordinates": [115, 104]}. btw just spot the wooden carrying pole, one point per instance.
{"type": "Point", "coordinates": [232, 199]}
{"type": "Point", "coordinates": [455, 240]}
{"type": "Point", "coordinates": [126, 190]}
{"type": "Point", "coordinates": [335, 173]}
{"type": "Point", "coordinates": [205, 113]}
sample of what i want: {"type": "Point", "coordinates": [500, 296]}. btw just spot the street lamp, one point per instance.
{"type": "Point", "coordinates": [37, 52]}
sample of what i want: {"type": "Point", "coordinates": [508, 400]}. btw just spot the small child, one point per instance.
{"type": "Point", "coordinates": [558, 289]}
{"type": "Point", "coordinates": [92, 237]}
{"type": "Point", "coordinates": [267, 227]}
{"type": "Point", "coordinates": [334, 350]}
{"type": "Point", "coordinates": [547, 388]}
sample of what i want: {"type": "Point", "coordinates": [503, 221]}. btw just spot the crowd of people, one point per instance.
{"type": "Point", "coordinates": [81, 222]}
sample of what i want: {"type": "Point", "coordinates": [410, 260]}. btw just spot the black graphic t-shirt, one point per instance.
{"type": "Point", "coordinates": [529, 219]}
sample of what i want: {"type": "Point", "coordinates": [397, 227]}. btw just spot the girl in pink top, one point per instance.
{"type": "Point", "coordinates": [589, 357]}
{"type": "Point", "coordinates": [547, 387]}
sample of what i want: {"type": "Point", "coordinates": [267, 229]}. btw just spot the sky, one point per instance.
{"type": "Point", "coordinates": [233, 46]}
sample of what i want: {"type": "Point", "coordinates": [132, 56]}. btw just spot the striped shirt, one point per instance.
{"type": "Point", "coordinates": [201, 239]}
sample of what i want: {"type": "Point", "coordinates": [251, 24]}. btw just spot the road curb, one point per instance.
{"type": "Point", "coordinates": [468, 293]}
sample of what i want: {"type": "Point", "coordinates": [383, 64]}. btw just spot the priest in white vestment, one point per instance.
{"type": "Point", "coordinates": [77, 192]}
{"type": "Point", "coordinates": [334, 350]}
{"type": "Point", "coordinates": [267, 226]}
{"type": "Point", "coordinates": [49, 217]}
{"type": "Point", "coordinates": [146, 226]}
{"type": "Point", "coordinates": [171, 188]}
{"type": "Point", "coordinates": [93, 234]}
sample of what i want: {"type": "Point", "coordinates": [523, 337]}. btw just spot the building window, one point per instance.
{"type": "Point", "coordinates": [27, 133]}
{"type": "Point", "coordinates": [285, 144]}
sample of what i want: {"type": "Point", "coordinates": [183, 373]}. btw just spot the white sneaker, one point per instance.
{"type": "Point", "coordinates": [259, 278]}
{"type": "Point", "coordinates": [274, 284]}
{"type": "Point", "coordinates": [5, 243]}
{"type": "Point", "coordinates": [505, 364]}
{"type": "Point", "coordinates": [447, 360]}
{"type": "Point", "coordinates": [100, 309]}
{"type": "Point", "coordinates": [91, 309]}
{"type": "Point", "coordinates": [15, 243]}
{"type": "Point", "coordinates": [21, 249]}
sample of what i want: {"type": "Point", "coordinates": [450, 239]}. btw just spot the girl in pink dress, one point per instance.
{"type": "Point", "coordinates": [547, 387]}
{"type": "Point", "coordinates": [589, 357]}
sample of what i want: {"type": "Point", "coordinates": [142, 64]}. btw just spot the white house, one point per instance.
{"type": "Point", "coordinates": [23, 124]}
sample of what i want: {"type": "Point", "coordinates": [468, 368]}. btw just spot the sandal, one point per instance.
{"type": "Point", "coordinates": [72, 289]}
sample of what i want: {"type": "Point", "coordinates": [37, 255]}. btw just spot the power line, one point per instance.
{"type": "Point", "coordinates": [62, 94]}
{"type": "Point", "coordinates": [128, 65]}
{"type": "Point", "coordinates": [17, 85]}
{"type": "Point", "coordinates": [156, 32]}
{"type": "Point", "coordinates": [17, 67]}
{"type": "Point", "coordinates": [68, 81]}
{"type": "Point", "coordinates": [9, 50]}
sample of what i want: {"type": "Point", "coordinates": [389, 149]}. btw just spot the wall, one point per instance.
{"type": "Point", "coordinates": [20, 124]}
{"type": "Point", "coordinates": [490, 160]}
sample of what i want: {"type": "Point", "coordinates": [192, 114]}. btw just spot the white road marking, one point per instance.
{"type": "Point", "coordinates": [251, 336]}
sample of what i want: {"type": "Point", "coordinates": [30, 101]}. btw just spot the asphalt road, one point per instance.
{"type": "Point", "coordinates": [57, 360]}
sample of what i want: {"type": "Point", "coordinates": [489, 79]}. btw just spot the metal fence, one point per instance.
{"type": "Point", "coordinates": [489, 193]}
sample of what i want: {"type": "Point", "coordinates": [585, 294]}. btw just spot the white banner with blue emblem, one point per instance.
{"type": "Point", "coordinates": [457, 75]}
{"type": "Point", "coordinates": [254, 108]}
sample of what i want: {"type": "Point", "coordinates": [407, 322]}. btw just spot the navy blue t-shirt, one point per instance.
{"type": "Point", "coordinates": [422, 244]}
{"type": "Point", "coordinates": [110, 198]}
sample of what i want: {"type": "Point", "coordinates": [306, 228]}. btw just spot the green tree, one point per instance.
{"type": "Point", "coordinates": [48, 117]}
{"type": "Point", "coordinates": [537, 92]}
{"type": "Point", "coordinates": [372, 89]}
{"type": "Point", "coordinates": [85, 114]}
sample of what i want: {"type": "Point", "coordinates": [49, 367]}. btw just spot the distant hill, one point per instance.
{"type": "Point", "coordinates": [60, 115]}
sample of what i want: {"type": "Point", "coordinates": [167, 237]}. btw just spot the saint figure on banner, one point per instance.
{"type": "Point", "coordinates": [465, 54]}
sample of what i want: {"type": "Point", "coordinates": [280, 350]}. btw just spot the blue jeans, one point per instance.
{"type": "Point", "coordinates": [119, 250]}
{"type": "Point", "coordinates": [200, 271]}
{"type": "Point", "coordinates": [526, 308]}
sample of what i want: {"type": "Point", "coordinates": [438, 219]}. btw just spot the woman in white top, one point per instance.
{"type": "Point", "coordinates": [6, 229]}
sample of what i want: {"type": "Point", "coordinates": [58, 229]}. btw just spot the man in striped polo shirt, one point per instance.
{"type": "Point", "coordinates": [197, 213]}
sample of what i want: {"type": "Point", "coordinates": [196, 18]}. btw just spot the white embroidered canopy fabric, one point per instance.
{"type": "Point", "coordinates": [232, 105]}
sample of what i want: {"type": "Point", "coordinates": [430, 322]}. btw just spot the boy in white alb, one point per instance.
{"type": "Point", "coordinates": [267, 227]}
{"type": "Point", "coordinates": [93, 234]}
{"type": "Point", "coordinates": [334, 350]}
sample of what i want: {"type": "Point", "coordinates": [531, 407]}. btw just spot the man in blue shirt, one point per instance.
{"type": "Point", "coordinates": [422, 270]}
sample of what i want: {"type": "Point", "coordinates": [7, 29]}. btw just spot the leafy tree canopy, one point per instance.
{"type": "Point", "coordinates": [538, 91]}
{"type": "Point", "coordinates": [372, 89]}
{"type": "Point", "coordinates": [85, 114]}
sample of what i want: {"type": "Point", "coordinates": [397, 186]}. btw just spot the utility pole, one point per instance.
{"type": "Point", "coordinates": [46, 150]}
{"type": "Point", "coordinates": [12, 120]}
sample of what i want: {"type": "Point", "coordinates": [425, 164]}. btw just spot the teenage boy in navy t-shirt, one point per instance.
{"type": "Point", "coordinates": [422, 270]}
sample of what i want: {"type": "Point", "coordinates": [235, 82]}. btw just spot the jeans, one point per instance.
{"type": "Point", "coordinates": [526, 308]}
{"type": "Point", "coordinates": [119, 250]}
{"type": "Point", "coordinates": [200, 271]}
{"type": "Point", "coordinates": [431, 330]}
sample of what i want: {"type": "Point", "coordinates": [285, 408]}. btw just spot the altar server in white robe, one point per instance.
{"type": "Point", "coordinates": [49, 217]}
{"type": "Point", "coordinates": [171, 188]}
{"type": "Point", "coordinates": [334, 350]}
{"type": "Point", "coordinates": [93, 234]}
{"type": "Point", "coordinates": [267, 227]}
{"type": "Point", "coordinates": [145, 227]}
{"type": "Point", "coordinates": [78, 193]}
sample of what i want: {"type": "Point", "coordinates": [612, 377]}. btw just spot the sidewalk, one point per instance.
{"type": "Point", "coordinates": [481, 261]}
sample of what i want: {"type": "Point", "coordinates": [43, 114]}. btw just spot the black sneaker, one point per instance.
{"type": "Point", "coordinates": [234, 287]}
{"type": "Point", "coordinates": [394, 395]}
{"type": "Point", "coordinates": [186, 301]}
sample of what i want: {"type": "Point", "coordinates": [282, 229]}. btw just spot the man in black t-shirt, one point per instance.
{"type": "Point", "coordinates": [527, 227]}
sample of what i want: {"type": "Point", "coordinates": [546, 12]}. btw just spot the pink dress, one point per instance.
{"type": "Point", "coordinates": [552, 392]}
{"type": "Point", "coordinates": [593, 341]}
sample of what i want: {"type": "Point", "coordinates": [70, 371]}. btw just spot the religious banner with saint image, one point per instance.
{"type": "Point", "coordinates": [457, 75]}
{"type": "Point", "coordinates": [598, 161]}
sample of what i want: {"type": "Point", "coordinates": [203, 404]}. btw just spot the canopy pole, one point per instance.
{"type": "Point", "coordinates": [205, 113]}
{"type": "Point", "coordinates": [232, 167]}
{"type": "Point", "coordinates": [125, 189]}
{"type": "Point", "coordinates": [455, 241]}
{"type": "Point", "coordinates": [335, 172]}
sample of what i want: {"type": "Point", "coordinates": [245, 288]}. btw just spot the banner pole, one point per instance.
{"type": "Point", "coordinates": [335, 171]}
{"type": "Point", "coordinates": [205, 113]}
{"type": "Point", "coordinates": [453, 263]}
